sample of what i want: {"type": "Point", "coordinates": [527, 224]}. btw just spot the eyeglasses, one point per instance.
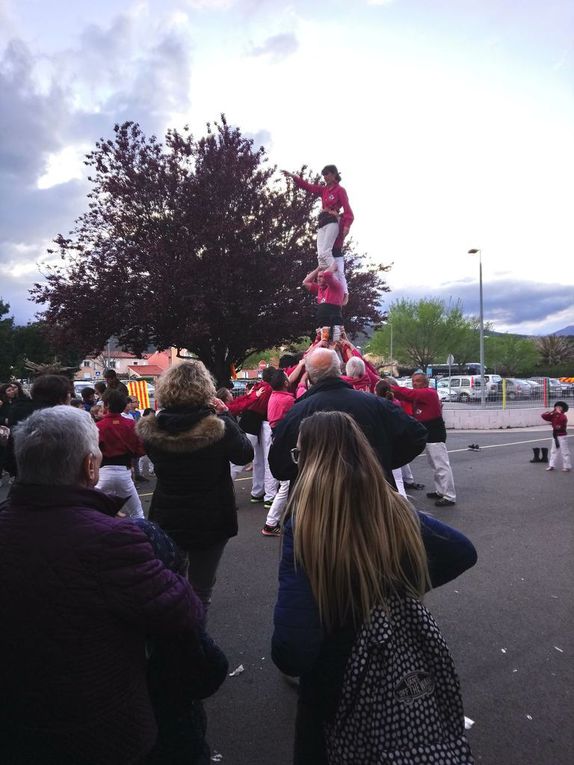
{"type": "Point", "coordinates": [295, 454]}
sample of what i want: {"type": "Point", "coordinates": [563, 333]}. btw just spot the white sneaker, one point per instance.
{"type": "Point", "coordinates": [565, 470]}
{"type": "Point", "coordinates": [549, 468]}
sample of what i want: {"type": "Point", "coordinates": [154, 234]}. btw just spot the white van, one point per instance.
{"type": "Point", "coordinates": [467, 388]}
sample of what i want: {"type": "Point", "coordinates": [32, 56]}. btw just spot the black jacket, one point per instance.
{"type": "Point", "coordinates": [191, 449]}
{"type": "Point", "coordinates": [395, 437]}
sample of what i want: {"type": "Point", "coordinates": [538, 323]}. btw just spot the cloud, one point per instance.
{"type": "Point", "coordinates": [260, 138]}
{"type": "Point", "coordinates": [508, 304]}
{"type": "Point", "coordinates": [54, 107]}
{"type": "Point", "coordinates": [278, 47]}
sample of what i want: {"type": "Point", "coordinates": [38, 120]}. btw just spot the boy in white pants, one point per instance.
{"type": "Point", "coordinates": [280, 402]}
{"type": "Point", "coordinates": [560, 447]}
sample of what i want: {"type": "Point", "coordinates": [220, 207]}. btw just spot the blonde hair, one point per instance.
{"type": "Point", "coordinates": [357, 539]}
{"type": "Point", "coordinates": [188, 384]}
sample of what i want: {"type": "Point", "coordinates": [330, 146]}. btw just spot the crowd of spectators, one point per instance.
{"type": "Point", "coordinates": [121, 601]}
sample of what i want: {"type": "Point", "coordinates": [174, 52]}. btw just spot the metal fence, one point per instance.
{"type": "Point", "coordinates": [502, 393]}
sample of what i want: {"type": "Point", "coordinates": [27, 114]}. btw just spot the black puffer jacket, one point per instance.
{"type": "Point", "coordinates": [395, 437]}
{"type": "Point", "coordinates": [191, 449]}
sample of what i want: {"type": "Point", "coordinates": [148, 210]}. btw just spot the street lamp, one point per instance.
{"type": "Point", "coordinates": [482, 386]}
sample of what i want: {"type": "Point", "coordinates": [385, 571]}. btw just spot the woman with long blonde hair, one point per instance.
{"type": "Point", "coordinates": [351, 544]}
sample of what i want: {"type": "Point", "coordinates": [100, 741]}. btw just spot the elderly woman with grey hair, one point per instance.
{"type": "Point", "coordinates": [191, 442]}
{"type": "Point", "coordinates": [81, 591]}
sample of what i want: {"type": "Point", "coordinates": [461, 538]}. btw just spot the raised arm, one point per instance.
{"type": "Point", "coordinates": [312, 188]}
{"type": "Point", "coordinates": [297, 372]}
{"type": "Point", "coordinates": [309, 280]}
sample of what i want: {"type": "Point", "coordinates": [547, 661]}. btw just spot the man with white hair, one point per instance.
{"type": "Point", "coordinates": [356, 375]}
{"type": "Point", "coordinates": [82, 590]}
{"type": "Point", "coordinates": [395, 437]}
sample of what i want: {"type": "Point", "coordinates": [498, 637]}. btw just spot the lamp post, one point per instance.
{"type": "Point", "coordinates": [482, 386]}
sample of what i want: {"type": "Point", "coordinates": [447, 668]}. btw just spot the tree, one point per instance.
{"type": "Point", "coordinates": [6, 342]}
{"type": "Point", "coordinates": [425, 332]}
{"type": "Point", "coordinates": [191, 245]}
{"type": "Point", "coordinates": [555, 350]}
{"type": "Point", "coordinates": [511, 355]}
{"type": "Point", "coordinates": [32, 343]}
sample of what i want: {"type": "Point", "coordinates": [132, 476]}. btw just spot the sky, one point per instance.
{"type": "Point", "coordinates": [451, 122]}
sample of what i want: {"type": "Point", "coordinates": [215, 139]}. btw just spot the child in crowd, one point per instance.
{"type": "Point", "coordinates": [280, 402]}
{"type": "Point", "coordinates": [100, 388]}
{"type": "Point", "coordinates": [557, 418]}
{"type": "Point", "coordinates": [145, 464]}
{"type": "Point", "coordinates": [97, 412]}
{"type": "Point", "coordinates": [88, 398]}
{"type": "Point", "coordinates": [119, 444]}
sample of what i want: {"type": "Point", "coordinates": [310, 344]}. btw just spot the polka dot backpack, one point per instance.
{"type": "Point", "coordinates": [400, 702]}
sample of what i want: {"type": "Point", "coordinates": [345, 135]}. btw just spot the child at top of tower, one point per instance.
{"type": "Point", "coordinates": [333, 225]}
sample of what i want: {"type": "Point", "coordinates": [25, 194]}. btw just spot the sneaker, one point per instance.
{"type": "Point", "coordinates": [271, 531]}
{"type": "Point", "coordinates": [549, 468]}
{"type": "Point", "coordinates": [414, 485]}
{"type": "Point", "coordinates": [267, 504]}
{"type": "Point", "coordinates": [434, 495]}
{"type": "Point", "coordinates": [257, 499]}
{"type": "Point", "coordinates": [444, 502]}
{"type": "Point", "coordinates": [565, 470]}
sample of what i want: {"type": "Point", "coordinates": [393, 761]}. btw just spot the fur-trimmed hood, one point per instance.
{"type": "Point", "coordinates": [182, 430]}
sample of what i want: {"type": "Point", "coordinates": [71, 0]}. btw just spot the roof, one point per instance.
{"type": "Point", "coordinates": [146, 370]}
{"type": "Point", "coordinates": [160, 358]}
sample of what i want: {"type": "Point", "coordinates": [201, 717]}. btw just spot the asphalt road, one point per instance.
{"type": "Point", "coordinates": [509, 621]}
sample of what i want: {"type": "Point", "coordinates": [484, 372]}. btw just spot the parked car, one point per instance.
{"type": "Point", "coordinates": [444, 393]}
{"type": "Point", "coordinates": [536, 389]}
{"type": "Point", "coordinates": [80, 385]}
{"type": "Point", "coordinates": [467, 388]}
{"type": "Point", "coordinates": [240, 386]}
{"type": "Point", "coordinates": [517, 389]}
{"type": "Point", "coordinates": [558, 388]}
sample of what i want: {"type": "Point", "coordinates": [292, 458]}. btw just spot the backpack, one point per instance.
{"type": "Point", "coordinates": [400, 702]}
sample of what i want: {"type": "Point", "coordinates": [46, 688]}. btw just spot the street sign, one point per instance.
{"type": "Point", "coordinates": [98, 374]}
{"type": "Point", "coordinates": [450, 360]}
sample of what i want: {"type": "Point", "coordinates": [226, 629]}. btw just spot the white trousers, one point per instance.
{"type": "Point", "coordinates": [398, 476]}
{"type": "Point", "coordinates": [443, 479]}
{"type": "Point", "coordinates": [276, 509]}
{"type": "Point", "coordinates": [326, 238]}
{"type": "Point", "coordinates": [563, 452]}
{"type": "Point", "coordinates": [264, 484]}
{"type": "Point", "coordinates": [407, 474]}
{"type": "Point", "coordinates": [117, 480]}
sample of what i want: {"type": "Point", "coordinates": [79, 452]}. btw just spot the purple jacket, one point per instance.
{"type": "Point", "coordinates": [79, 592]}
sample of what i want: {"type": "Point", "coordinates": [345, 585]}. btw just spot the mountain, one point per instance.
{"type": "Point", "coordinates": [566, 332]}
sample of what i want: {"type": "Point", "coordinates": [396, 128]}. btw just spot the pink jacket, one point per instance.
{"type": "Point", "coordinates": [333, 198]}
{"type": "Point", "coordinates": [332, 293]}
{"type": "Point", "coordinates": [280, 402]}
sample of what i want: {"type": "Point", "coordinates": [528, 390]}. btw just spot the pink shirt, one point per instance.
{"type": "Point", "coordinates": [279, 404]}
{"type": "Point", "coordinates": [331, 292]}
{"type": "Point", "coordinates": [333, 198]}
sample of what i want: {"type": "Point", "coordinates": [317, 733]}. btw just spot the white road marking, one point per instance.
{"type": "Point", "coordinates": [496, 446]}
